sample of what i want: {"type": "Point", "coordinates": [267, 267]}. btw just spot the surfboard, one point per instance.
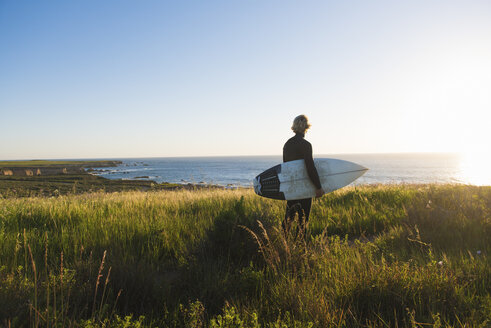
{"type": "Point", "coordinates": [290, 180]}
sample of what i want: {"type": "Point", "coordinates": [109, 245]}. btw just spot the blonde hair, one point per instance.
{"type": "Point", "coordinates": [300, 124]}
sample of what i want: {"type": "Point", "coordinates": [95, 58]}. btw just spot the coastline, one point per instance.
{"type": "Point", "coordinates": [53, 178]}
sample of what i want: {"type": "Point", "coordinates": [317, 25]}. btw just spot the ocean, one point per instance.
{"type": "Point", "coordinates": [240, 171]}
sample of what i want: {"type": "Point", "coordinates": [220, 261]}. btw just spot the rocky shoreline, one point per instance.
{"type": "Point", "coordinates": [39, 168]}
{"type": "Point", "coordinates": [54, 178]}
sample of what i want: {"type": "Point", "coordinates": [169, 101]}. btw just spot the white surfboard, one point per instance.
{"type": "Point", "coordinates": [290, 180]}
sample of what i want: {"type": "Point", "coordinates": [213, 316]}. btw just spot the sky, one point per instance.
{"type": "Point", "coordinates": [116, 79]}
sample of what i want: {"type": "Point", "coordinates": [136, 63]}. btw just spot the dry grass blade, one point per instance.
{"type": "Point", "coordinates": [36, 318]}
{"type": "Point", "coordinates": [104, 291]}
{"type": "Point", "coordinates": [99, 275]}
{"type": "Point", "coordinates": [270, 255]}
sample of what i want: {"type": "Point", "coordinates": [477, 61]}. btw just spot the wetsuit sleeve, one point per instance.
{"type": "Point", "coordinates": [311, 170]}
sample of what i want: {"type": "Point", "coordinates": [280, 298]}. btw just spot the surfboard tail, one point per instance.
{"type": "Point", "coordinates": [267, 183]}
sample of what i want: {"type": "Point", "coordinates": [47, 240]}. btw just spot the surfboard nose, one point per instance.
{"type": "Point", "coordinates": [358, 169]}
{"type": "Point", "coordinates": [350, 166]}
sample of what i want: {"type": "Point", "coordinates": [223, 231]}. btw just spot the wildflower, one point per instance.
{"type": "Point", "coordinates": [440, 263]}
{"type": "Point", "coordinates": [478, 252]}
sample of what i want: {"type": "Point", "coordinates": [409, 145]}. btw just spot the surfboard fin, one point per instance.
{"type": "Point", "coordinates": [257, 185]}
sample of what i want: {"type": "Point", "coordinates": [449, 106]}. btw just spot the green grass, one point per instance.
{"type": "Point", "coordinates": [64, 184]}
{"type": "Point", "coordinates": [374, 256]}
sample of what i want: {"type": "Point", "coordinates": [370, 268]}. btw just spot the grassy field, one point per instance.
{"type": "Point", "coordinates": [54, 182]}
{"type": "Point", "coordinates": [64, 184]}
{"type": "Point", "coordinates": [373, 256]}
{"type": "Point", "coordinates": [45, 163]}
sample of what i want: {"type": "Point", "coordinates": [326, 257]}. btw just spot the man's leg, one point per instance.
{"type": "Point", "coordinates": [301, 208]}
{"type": "Point", "coordinates": [292, 207]}
{"type": "Point", "coordinates": [306, 205]}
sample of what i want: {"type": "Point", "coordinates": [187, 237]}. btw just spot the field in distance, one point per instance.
{"type": "Point", "coordinates": [53, 178]}
{"type": "Point", "coordinates": [46, 163]}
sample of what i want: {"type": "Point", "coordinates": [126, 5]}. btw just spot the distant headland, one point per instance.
{"type": "Point", "coordinates": [52, 178]}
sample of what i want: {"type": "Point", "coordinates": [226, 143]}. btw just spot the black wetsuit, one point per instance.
{"type": "Point", "coordinates": [299, 148]}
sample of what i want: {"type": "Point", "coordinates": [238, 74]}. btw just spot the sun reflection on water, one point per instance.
{"type": "Point", "coordinates": [475, 168]}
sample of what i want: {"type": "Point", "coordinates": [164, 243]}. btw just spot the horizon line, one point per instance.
{"type": "Point", "coordinates": [223, 156]}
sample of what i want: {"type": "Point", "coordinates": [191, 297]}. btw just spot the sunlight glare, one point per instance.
{"type": "Point", "coordinates": [475, 168]}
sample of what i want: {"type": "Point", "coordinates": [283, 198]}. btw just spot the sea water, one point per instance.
{"type": "Point", "coordinates": [240, 171]}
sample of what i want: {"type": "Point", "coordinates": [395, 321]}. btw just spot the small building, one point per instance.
{"type": "Point", "coordinates": [6, 172]}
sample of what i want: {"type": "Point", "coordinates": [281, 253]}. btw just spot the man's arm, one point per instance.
{"type": "Point", "coordinates": [311, 170]}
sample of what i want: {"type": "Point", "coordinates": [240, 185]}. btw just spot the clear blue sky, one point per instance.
{"type": "Point", "coordinates": [92, 79]}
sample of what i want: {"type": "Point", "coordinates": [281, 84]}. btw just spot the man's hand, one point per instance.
{"type": "Point", "coordinates": [319, 193]}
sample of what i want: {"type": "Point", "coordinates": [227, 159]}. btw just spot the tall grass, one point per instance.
{"type": "Point", "coordinates": [374, 256]}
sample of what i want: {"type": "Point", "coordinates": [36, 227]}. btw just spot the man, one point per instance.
{"type": "Point", "coordinates": [299, 148]}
